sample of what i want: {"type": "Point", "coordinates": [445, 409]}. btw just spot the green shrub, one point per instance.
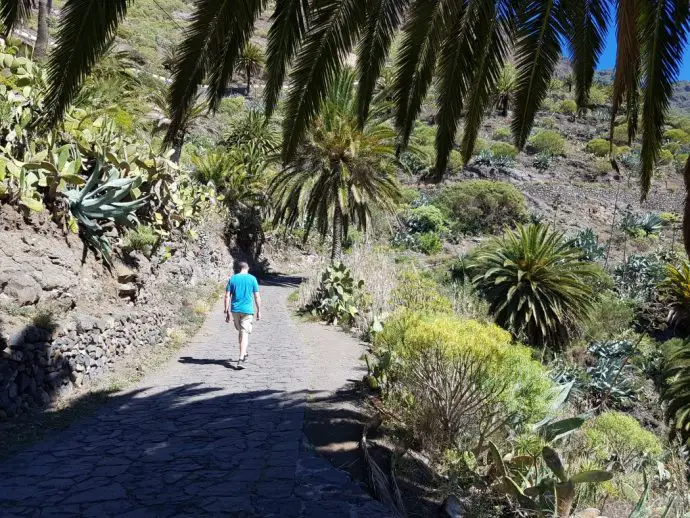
{"type": "Point", "coordinates": [429, 243]}
{"type": "Point", "coordinates": [548, 123]}
{"type": "Point", "coordinates": [410, 195]}
{"type": "Point", "coordinates": [419, 293]}
{"type": "Point", "coordinates": [142, 239]}
{"type": "Point", "coordinates": [598, 95]}
{"type": "Point", "coordinates": [455, 161]}
{"type": "Point", "coordinates": [465, 379]}
{"type": "Point", "coordinates": [618, 436]}
{"type": "Point", "coordinates": [423, 134]}
{"type": "Point", "coordinates": [477, 206]}
{"type": "Point", "coordinates": [542, 161]}
{"type": "Point", "coordinates": [334, 301]}
{"type": "Point", "coordinates": [681, 159]}
{"type": "Point", "coordinates": [568, 107]}
{"type": "Point", "coordinates": [502, 134]}
{"type": "Point", "coordinates": [504, 149]}
{"type": "Point", "coordinates": [427, 218]}
{"type": "Point", "coordinates": [598, 147]}
{"type": "Point", "coordinates": [479, 146]}
{"type": "Point", "coordinates": [611, 316]}
{"type": "Point", "coordinates": [602, 167]}
{"type": "Point", "coordinates": [665, 157]}
{"type": "Point", "coordinates": [536, 284]}
{"type": "Point", "coordinates": [547, 141]}
{"type": "Point", "coordinates": [673, 147]}
{"type": "Point", "coordinates": [621, 150]}
{"type": "Point", "coordinates": [620, 134]}
{"type": "Point", "coordinates": [677, 135]}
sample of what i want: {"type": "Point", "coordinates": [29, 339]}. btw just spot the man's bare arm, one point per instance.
{"type": "Point", "coordinates": [257, 302]}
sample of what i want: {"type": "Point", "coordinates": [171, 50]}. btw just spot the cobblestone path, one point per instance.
{"type": "Point", "coordinates": [195, 439]}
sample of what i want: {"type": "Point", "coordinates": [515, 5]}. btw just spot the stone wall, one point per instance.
{"type": "Point", "coordinates": [42, 361]}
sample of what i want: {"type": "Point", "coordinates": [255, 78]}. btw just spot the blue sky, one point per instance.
{"type": "Point", "coordinates": [608, 57]}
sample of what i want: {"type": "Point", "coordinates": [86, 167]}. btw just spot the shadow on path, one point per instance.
{"type": "Point", "coordinates": [187, 451]}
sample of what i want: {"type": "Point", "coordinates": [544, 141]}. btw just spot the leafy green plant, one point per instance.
{"type": "Point", "coordinates": [677, 135]}
{"type": "Point", "coordinates": [467, 380]}
{"type": "Point", "coordinates": [568, 107]}
{"type": "Point", "coordinates": [430, 243]}
{"type": "Point", "coordinates": [141, 239]}
{"type": "Point", "coordinates": [479, 206]}
{"type": "Point", "coordinates": [536, 284]}
{"type": "Point", "coordinates": [335, 299]}
{"type": "Point", "coordinates": [638, 277]}
{"type": "Point", "coordinates": [641, 225]}
{"type": "Point", "coordinates": [613, 378]}
{"type": "Point", "coordinates": [676, 392]}
{"type": "Point", "coordinates": [588, 244]}
{"type": "Point", "coordinates": [675, 292]}
{"type": "Point", "coordinates": [504, 149]}
{"type": "Point", "coordinates": [502, 134]}
{"type": "Point", "coordinates": [426, 218]}
{"type": "Point", "coordinates": [618, 438]}
{"type": "Point", "coordinates": [598, 147]}
{"type": "Point", "coordinates": [417, 292]}
{"type": "Point", "coordinates": [542, 161]}
{"type": "Point", "coordinates": [610, 317]}
{"type": "Point", "coordinates": [547, 141]}
{"type": "Point", "coordinates": [100, 203]}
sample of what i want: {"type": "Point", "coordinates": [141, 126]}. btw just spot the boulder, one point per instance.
{"type": "Point", "coordinates": [22, 288]}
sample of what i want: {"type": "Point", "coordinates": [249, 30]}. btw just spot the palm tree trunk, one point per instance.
{"type": "Point", "coordinates": [41, 45]}
{"type": "Point", "coordinates": [337, 248]}
{"type": "Point", "coordinates": [686, 210]}
{"type": "Point", "coordinates": [177, 144]}
{"type": "Point", "coordinates": [249, 79]}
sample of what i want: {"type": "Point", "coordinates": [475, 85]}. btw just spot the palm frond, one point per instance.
{"type": "Point", "coordinates": [539, 31]}
{"type": "Point", "coordinates": [215, 37]}
{"type": "Point", "coordinates": [665, 26]}
{"type": "Point", "coordinates": [416, 61]}
{"type": "Point", "coordinates": [488, 70]}
{"type": "Point", "coordinates": [335, 28]}
{"type": "Point", "coordinates": [289, 24]}
{"type": "Point", "coordinates": [86, 28]}
{"type": "Point", "coordinates": [686, 208]}
{"type": "Point", "coordinates": [382, 20]}
{"type": "Point", "coordinates": [587, 21]}
{"type": "Point", "coordinates": [627, 71]}
{"type": "Point", "coordinates": [15, 12]}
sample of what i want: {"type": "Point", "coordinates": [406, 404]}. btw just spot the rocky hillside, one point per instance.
{"type": "Point", "coordinates": [65, 322]}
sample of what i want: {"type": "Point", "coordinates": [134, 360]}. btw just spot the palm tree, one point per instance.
{"type": "Point", "coordinates": [42, 37]}
{"type": "Point", "coordinates": [251, 62]}
{"type": "Point", "coordinates": [677, 389]}
{"type": "Point", "coordinates": [341, 171]}
{"type": "Point", "coordinates": [161, 118]}
{"type": "Point", "coordinates": [505, 86]}
{"type": "Point", "coordinates": [463, 44]}
{"type": "Point", "coordinates": [536, 285]}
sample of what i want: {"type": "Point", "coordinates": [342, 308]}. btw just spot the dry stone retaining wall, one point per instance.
{"type": "Point", "coordinates": [38, 365]}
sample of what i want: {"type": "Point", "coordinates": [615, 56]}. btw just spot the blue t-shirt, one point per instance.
{"type": "Point", "coordinates": [242, 287]}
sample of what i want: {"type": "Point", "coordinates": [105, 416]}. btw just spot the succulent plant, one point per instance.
{"type": "Point", "coordinates": [99, 202]}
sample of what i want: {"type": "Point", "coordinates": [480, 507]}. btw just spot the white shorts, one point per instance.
{"type": "Point", "coordinates": [243, 322]}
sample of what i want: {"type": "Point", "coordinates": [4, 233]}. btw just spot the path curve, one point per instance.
{"type": "Point", "coordinates": [195, 439]}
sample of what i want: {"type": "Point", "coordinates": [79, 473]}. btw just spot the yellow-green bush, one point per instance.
{"type": "Point", "coordinates": [503, 149]}
{"type": "Point", "coordinates": [423, 134]}
{"type": "Point", "coordinates": [528, 387]}
{"type": "Point", "coordinates": [477, 206]}
{"type": "Point", "coordinates": [621, 150]}
{"type": "Point", "coordinates": [568, 107]}
{"type": "Point", "coordinates": [419, 293]}
{"type": "Point", "coordinates": [665, 157]}
{"type": "Point", "coordinates": [480, 145]}
{"type": "Point", "coordinates": [672, 146]}
{"type": "Point", "coordinates": [681, 159]}
{"type": "Point", "coordinates": [598, 95]}
{"type": "Point", "coordinates": [455, 161]}
{"type": "Point", "coordinates": [602, 167]}
{"type": "Point", "coordinates": [548, 141]}
{"type": "Point", "coordinates": [502, 134]}
{"type": "Point", "coordinates": [620, 135]}
{"type": "Point", "coordinates": [598, 147]}
{"type": "Point", "coordinates": [619, 435]}
{"type": "Point", "coordinates": [677, 135]}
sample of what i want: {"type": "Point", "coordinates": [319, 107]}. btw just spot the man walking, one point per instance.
{"type": "Point", "coordinates": [241, 295]}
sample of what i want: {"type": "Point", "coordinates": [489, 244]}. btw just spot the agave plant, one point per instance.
{"type": "Point", "coordinates": [536, 284]}
{"type": "Point", "coordinates": [588, 243]}
{"type": "Point", "coordinates": [100, 203]}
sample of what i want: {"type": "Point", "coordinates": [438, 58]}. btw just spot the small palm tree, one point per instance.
{"type": "Point", "coordinates": [676, 392]}
{"type": "Point", "coordinates": [161, 117]}
{"type": "Point", "coordinates": [254, 128]}
{"type": "Point", "coordinates": [340, 173]}
{"type": "Point", "coordinates": [675, 292]}
{"type": "Point", "coordinates": [536, 285]}
{"type": "Point", "coordinates": [251, 62]}
{"type": "Point", "coordinates": [505, 87]}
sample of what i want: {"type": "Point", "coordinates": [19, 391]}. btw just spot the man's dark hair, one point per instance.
{"type": "Point", "coordinates": [240, 265]}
